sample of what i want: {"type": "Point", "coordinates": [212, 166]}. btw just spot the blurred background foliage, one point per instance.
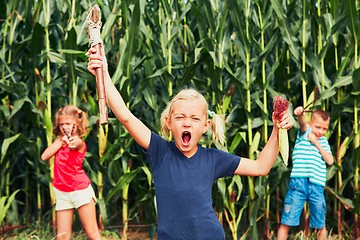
{"type": "Point", "coordinates": [239, 53]}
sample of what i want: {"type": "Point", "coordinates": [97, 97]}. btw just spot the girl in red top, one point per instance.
{"type": "Point", "coordinates": [72, 187]}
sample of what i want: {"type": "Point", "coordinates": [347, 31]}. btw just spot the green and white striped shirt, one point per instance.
{"type": "Point", "coordinates": [307, 160]}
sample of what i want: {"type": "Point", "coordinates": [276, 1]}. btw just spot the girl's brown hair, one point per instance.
{"type": "Point", "coordinates": [72, 111]}
{"type": "Point", "coordinates": [217, 122]}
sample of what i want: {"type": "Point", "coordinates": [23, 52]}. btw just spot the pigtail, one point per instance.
{"type": "Point", "coordinates": [164, 130]}
{"type": "Point", "coordinates": [217, 127]}
{"type": "Point", "coordinates": [56, 128]}
{"type": "Point", "coordinates": [83, 124]}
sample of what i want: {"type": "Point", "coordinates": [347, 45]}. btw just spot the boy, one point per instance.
{"type": "Point", "coordinates": [308, 176]}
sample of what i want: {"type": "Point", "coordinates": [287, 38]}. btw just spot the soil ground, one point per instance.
{"type": "Point", "coordinates": [134, 232]}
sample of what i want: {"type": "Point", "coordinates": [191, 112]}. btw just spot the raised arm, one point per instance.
{"type": "Point", "coordinates": [136, 128]}
{"type": "Point", "coordinates": [300, 113]}
{"type": "Point", "coordinates": [267, 157]}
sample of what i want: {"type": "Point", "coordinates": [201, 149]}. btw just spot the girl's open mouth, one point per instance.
{"type": "Point", "coordinates": [186, 136]}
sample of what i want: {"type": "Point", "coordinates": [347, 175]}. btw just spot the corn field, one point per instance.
{"type": "Point", "coordinates": [239, 53]}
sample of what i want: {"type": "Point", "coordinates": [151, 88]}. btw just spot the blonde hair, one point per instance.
{"type": "Point", "coordinates": [217, 122]}
{"type": "Point", "coordinates": [72, 111]}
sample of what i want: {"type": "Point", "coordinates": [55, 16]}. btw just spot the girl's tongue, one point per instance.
{"type": "Point", "coordinates": [186, 136]}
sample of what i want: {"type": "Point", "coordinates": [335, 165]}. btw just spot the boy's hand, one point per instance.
{"type": "Point", "coordinates": [312, 138]}
{"type": "Point", "coordinates": [299, 111]}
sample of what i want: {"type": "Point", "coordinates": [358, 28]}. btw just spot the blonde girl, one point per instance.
{"type": "Point", "coordinates": [217, 122]}
{"type": "Point", "coordinates": [183, 171]}
{"type": "Point", "coordinates": [72, 187]}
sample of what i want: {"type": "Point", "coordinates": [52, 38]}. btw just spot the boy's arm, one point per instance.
{"type": "Point", "coordinates": [300, 113]}
{"type": "Point", "coordinates": [328, 157]}
{"type": "Point", "coordinates": [136, 128]}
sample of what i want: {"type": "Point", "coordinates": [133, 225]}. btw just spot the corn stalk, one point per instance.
{"type": "Point", "coordinates": [341, 147]}
{"type": "Point", "coordinates": [266, 113]}
{"type": "Point", "coordinates": [304, 46]}
{"type": "Point", "coordinates": [353, 18]}
{"type": "Point", "coordinates": [167, 15]}
{"type": "Point", "coordinates": [320, 46]}
{"type": "Point", "coordinates": [47, 111]}
{"type": "Point", "coordinates": [38, 82]}
{"type": "Point", "coordinates": [125, 200]}
{"type": "Point", "coordinates": [232, 215]}
{"type": "Point", "coordinates": [102, 138]}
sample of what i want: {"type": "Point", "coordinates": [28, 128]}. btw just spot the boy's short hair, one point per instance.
{"type": "Point", "coordinates": [324, 115]}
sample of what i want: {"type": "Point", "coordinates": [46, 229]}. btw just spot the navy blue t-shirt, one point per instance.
{"type": "Point", "coordinates": [183, 189]}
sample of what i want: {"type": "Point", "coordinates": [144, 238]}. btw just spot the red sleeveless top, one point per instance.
{"type": "Point", "coordinates": [69, 174]}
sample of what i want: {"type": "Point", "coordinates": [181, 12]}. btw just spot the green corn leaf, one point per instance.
{"type": "Point", "coordinates": [284, 145]}
{"type": "Point", "coordinates": [5, 145]}
{"type": "Point", "coordinates": [5, 203]}
{"type": "Point", "coordinates": [255, 144]}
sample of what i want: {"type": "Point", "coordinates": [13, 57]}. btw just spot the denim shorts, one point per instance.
{"type": "Point", "coordinates": [301, 190]}
{"type": "Point", "coordinates": [75, 199]}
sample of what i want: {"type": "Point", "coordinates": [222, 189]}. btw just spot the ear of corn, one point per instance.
{"type": "Point", "coordinates": [281, 105]}
{"type": "Point", "coordinates": [284, 145]}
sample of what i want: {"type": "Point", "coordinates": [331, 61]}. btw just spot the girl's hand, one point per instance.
{"type": "Point", "coordinates": [74, 142]}
{"type": "Point", "coordinates": [95, 61]}
{"type": "Point", "coordinates": [285, 122]}
{"type": "Point", "coordinates": [65, 140]}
